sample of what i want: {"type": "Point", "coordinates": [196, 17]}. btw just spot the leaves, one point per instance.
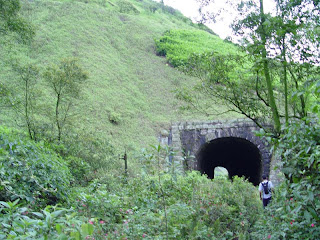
{"type": "Point", "coordinates": [11, 21]}
{"type": "Point", "coordinates": [87, 229]}
{"type": "Point", "coordinates": [65, 81]}
{"type": "Point", "coordinates": [297, 209]}
{"type": "Point", "coordinates": [30, 171]}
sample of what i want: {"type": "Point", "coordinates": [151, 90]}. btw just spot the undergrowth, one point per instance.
{"type": "Point", "coordinates": [160, 202]}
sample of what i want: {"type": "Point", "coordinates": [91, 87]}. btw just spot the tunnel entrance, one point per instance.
{"type": "Point", "coordinates": [239, 156]}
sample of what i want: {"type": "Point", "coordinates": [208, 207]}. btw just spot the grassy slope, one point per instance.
{"type": "Point", "coordinates": [178, 44]}
{"type": "Point", "coordinates": [126, 77]}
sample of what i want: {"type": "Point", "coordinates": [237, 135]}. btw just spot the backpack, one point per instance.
{"type": "Point", "coordinates": [265, 186]}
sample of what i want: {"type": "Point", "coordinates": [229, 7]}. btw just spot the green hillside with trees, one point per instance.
{"type": "Point", "coordinates": [85, 84]}
{"type": "Point", "coordinates": [128, 96]}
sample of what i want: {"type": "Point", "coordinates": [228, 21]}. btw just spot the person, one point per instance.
{"type": "Point", "coordinates": [265, 190]}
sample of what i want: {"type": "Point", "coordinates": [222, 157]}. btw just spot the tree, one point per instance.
{"type": "Point", "coordinates": [298, 42]}
{"type": "Point", "coordinates": [266, 69]}
{"type": "Point", "coordinates": [239, 90]}
{"type": "Point", "coordinates": [3, 94]}
{"type": "Point", "coordinates": [11, 21]}
{"type": "Point", "coordinates": [26, 106]}
{"type": "Point", "coordinates": [65, 81]}
{"type": "Point", "coordinates": [278, 56]}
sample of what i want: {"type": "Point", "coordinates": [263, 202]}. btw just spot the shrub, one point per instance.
{"type": "Point", "coordinates": [152, 6]}
{"type": "Point", "coordinates": [97, 152]}
{"type": "Point", "coordinates": [179, 45]}
{"type": "Point", "coordinates": [188, 207]}
{"type": "Point", "coordinates": [114, 117]}
{"type": "Point", "coordinates": [151, 206]}
{"type": "Point", "coordinates": [49, 223]}
{"type": "Point", "coordinates": [127, 7]}
{"type": "Point", "coordinates": [295, 211]}
{"type": "Point", "coordinates": [300, 151]}
{"type": "Point", "coordinates": [193, 206]}
{"type": "Point", "coordinates": [30, 171]}
{"type": "Point", "coordinates": [79, 169]}
{"type": "Point", "coordinates": [170, 10]}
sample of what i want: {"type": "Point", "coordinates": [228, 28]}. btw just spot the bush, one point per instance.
{"type": "Point", "coordinates": [289, 217]}
{"type": "Point", "coordinates": [97, 152]}
{"type": "Point", "coordinates": [179, 45]}
{"type": "Point", "coordinates": [152, 6]}
{"type": "Point", "coordinates": [295, 212]}
{"type": "Point", "coordinates": [151, 206]}
{"type": "Point", "coordinates": [114, 117]}
{"type": "Point", "coordinates": [185, 207]}
{"type": "Point", "coordinates": [191, 206]}
{"type": "Point", "coordinates": [300, 150]}
{"type": "Point", "coordinates": [127, 7]}
{"type": "Point", "coordinates": [49, 223]}
{"type": "Point", "coordinates": [30, 171]}
{"type": "Point", "coordinates": [79, 169]}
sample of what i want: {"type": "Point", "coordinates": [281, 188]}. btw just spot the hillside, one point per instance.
{"type": "Point", "coordinates": [129, 96]}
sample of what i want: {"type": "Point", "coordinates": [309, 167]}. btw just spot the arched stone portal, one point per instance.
{"type": "Point", "coordinates": [195, 142]}
{"type": "Point", "coordinates": [239, 156]}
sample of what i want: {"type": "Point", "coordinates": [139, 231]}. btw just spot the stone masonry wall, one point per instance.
{"type": "Point", "coordinates": [186, 138]}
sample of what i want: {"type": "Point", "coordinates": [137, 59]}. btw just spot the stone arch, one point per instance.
{"type": "Point", "coordinates": [188, 140]}
{"type": "Point", "coordinates": [238, 155]}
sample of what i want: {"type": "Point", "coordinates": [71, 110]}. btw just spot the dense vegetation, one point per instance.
{"type": "Point", "coordinates": [81, 82]}
{"type": "Point", "coordinates": [148, 206]}
{"type": "Point", "coordinates": [31, 171]}
{"type": "Point", "coordinates": [274, 77]}
{"type": "Point", "coordinates": [179, 45]}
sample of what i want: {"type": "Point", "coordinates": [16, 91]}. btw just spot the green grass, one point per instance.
{"type": "Point", "coordinates": [178, 45]}
{"type": "Point", "coordinates": [127, 80]}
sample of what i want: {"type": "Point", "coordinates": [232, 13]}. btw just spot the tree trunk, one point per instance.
{"type": "Point", "coordinates": [285, 79]}
{"type": "Point", "coordinates": [27, 107]}
{"type": "Point", "coordinates": [57, 117]}
{"type": "Point", "coordinates": [274, 109]}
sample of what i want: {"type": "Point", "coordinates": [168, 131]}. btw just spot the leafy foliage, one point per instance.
{"type": "Point", "coordinates": [65, 80]}
{"type": "Point", "coordinates": [51, 222]}
{"type": "Point", "coordinates": [229, 79]}
{"type": "Point", "coordinates": [11, 20]}
{"type": "Point", "coordinates": [161, 202]}
{"type": "Point", "coordinates": [296, 209]}
{"type": "Point", "coordinates": [30, 171]}
{"type": "Point", "coordinates": [79, 169]}
{"type": "Point", "coordinates": [265, 82]}
{"type": "Point", "coordinates": [196, 208]}
{"type": "Point", "coordinates": [25, 105]}
{"type": "Point", "coordinates": [300, 150]}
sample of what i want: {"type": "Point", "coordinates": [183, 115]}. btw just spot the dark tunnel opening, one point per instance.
{"type": "Point", "coordinates": [239, 156]}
